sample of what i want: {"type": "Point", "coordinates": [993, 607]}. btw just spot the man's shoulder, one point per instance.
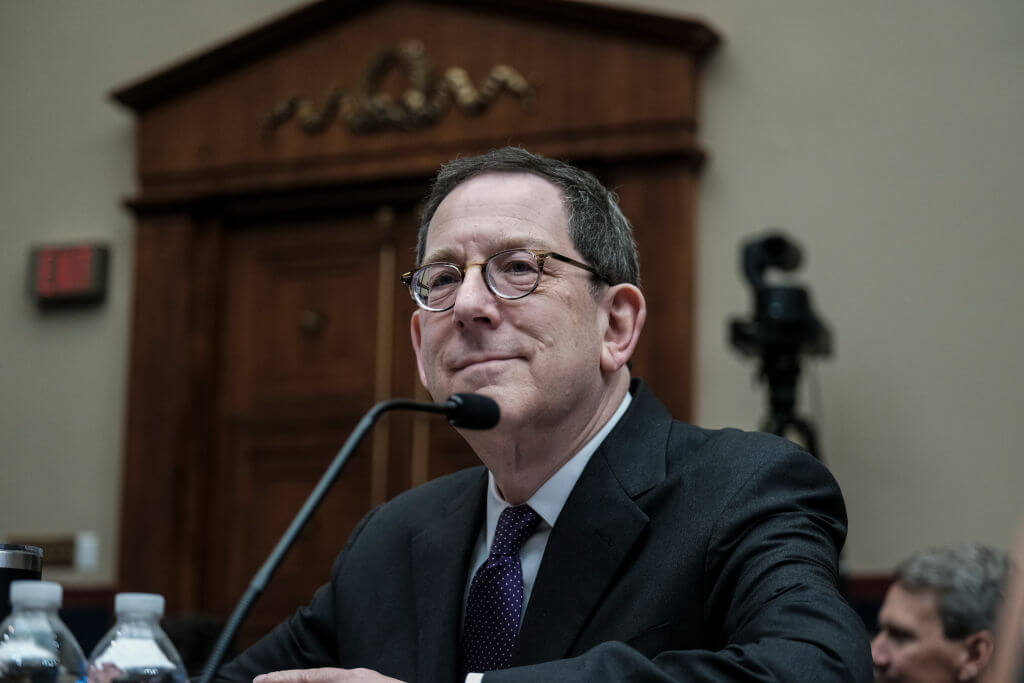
{"type": "Point", "coordinates": [735, 458]}
{"type": "Point", "coordinates": [694, 444]}
{"type": "Point", "coordinates": [735, 468]}
{"type": "Point", "coordinates": [433, 499]}
{"type": "Point", "coordinates": [732, 443]}
{"type": "Point", "coordinates": [441, 488]}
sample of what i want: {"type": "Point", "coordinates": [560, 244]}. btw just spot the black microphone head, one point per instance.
{"type": "Point", "coordinates": [472, 411]}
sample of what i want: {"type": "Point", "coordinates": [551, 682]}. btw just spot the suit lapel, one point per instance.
{"type": "Point", "coordinates": [440, 579]}
{"type": "Point", "coordinates": [595, 531]}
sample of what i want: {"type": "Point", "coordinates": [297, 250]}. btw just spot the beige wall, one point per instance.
{"type": "Point", "coordinates": [66, 162]}
{"type": "Point", "coordinates": [883, 136]}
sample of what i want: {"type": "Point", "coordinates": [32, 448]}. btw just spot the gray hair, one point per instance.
{"type": "Point", "coordinates": [597, 227]}
{"type": "Point", "coordinates": [968, 581]}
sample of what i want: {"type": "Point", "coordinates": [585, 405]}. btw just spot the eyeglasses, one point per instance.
{"type": "Point", "coordinates": [509, 274]}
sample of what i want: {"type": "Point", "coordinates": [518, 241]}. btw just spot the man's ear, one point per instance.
{"type": "Point", "coordinates": [414, 332]}
{"type": "Point", "coordinates": [624, 311]}
{"type": "Point", "coordinates": [977, 653]}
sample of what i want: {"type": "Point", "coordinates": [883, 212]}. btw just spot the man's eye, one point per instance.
{"type": "Point", "coordinates": [441, 278]}
{"type": "Point", "coordinates": [899, 636]}
{"type": "Point", "coordinates": [519, 267]}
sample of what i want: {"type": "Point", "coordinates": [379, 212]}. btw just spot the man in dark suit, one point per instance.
{"type": "Point", "coordinates": [602, 540]}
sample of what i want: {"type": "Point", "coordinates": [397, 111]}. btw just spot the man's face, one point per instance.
{"type": "Point", "coordinates": [910, 645]}
{"type": "Point", "coordinates": [538, 356]}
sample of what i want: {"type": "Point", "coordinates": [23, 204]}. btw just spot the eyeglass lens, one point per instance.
{"type": "Point", "coordinates": [509, 274]}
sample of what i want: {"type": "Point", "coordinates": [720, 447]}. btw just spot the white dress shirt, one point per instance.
{"type": "Point", "coordinates": [547, 502]}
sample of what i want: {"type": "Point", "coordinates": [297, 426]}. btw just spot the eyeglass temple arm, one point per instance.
{"type": "Point", "coordinates": [578, 264]}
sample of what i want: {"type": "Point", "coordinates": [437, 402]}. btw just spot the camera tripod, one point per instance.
{"type": "Point", "coordinates": [782, 370]}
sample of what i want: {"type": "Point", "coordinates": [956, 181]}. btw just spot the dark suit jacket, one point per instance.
{"type": "Point", "coordinates": [681, 554]}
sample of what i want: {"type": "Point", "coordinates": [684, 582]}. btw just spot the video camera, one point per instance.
{"type": "Point", "coordinates": [783, 327]}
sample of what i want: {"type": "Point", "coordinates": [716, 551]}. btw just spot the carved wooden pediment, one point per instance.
{"type": "Point", "coordinates": [592, 77]}
{"type": "Point", "coordinates": [425, 96]}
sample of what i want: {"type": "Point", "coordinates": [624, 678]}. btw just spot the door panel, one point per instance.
{"type": "Point", "coordinates": [275, 467]}
{"type": "Point", "coordinates": [301, 318]}
{"type": "Point", "coordinates": [306, 331]}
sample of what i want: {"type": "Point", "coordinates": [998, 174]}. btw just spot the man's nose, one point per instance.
{"type": "Point", "coordinates": [879, 650]}
{"type": "Point", "coordinates": [474, 300]}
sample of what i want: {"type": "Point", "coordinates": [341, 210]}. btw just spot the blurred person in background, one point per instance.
{"type": "Point", "coordinates": [938, 620]}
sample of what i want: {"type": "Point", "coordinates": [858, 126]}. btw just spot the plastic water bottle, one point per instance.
{"type": "Point", "coordinates": [35, 645]}
{"type": "Point", "coordinates": [136, 649]}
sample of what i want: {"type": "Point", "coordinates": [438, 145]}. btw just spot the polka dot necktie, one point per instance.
{"type": "Point", "coordinates": [495, 601]}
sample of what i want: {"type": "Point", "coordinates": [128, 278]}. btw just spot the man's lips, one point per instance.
{"type": "Point", "coordinates": [470, 361]}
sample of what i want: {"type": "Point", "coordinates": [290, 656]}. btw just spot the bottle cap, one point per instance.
{"type": "Point", "coordinates": [146, 603]}
{"type": "Point", "coordinates": [31, 593]}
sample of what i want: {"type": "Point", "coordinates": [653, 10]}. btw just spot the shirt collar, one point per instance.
{"type": "Point", "coordinates": [550, 498]}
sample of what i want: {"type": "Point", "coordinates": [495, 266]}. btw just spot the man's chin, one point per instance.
{"type": "Point", "coordinates": [489, 390]}
{"type": "Point", "coordinates": [486, 384]}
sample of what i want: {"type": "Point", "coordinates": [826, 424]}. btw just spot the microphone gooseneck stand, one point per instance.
{"type": "Point", "coordinates": [468, 411]}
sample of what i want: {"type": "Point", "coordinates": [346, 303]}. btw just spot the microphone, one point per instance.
{"type": "Point", "coordinates": [465, 411]}
{"type": "Point", "coordinates": [472, 411]}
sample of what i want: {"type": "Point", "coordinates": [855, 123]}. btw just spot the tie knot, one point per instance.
{"type": "Point", "coordinates": [515, 525]}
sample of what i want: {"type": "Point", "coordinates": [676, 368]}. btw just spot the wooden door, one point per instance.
{"type": "Point", "coordinates": [315, 331]}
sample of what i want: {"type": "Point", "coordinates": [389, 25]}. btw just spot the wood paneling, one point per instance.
{"type": "Point", "coordinates": [274, 467]}
{"type": "Point", "coordinates": [299, 337]}
{"type": "Point", "coordinates": [169, 400]}
{"type": "Point", "coordinates": [651, 192]}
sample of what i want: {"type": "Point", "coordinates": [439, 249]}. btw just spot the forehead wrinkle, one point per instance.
{"type": "Point", "coordinates": [503, 242]}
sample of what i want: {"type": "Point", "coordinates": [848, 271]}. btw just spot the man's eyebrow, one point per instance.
{"type": "Point", "coordinates": [897, 629]}
{"type": "Point", "coordinates": [441, 256]}
{"type": "Point", "coordinates": [901, 633]}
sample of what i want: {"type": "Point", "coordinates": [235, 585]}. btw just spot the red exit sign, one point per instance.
{"type": "Point", "coordinates": [69, 274]}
